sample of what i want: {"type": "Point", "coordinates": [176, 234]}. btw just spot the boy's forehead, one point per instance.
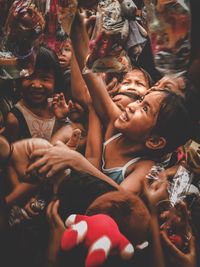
{"type": "Point", "coordinates": [133, 72]}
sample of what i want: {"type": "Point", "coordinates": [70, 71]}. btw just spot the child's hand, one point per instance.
{"type": "Point", "coordinates": [74, 139]}
{"type": "Point", "coordinates": [112, 87]}
{"type": "Point", "coordinates": [60, 107]}
{"type": "Point", "coordinates": [55, 222]}
{"type": "Point", "coordinates": [176, 257]}
{"type": "Point", "coordinates": [156, 192]}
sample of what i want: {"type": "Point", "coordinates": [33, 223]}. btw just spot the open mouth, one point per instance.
{"type": "Point", "coordinates": [124, 116]}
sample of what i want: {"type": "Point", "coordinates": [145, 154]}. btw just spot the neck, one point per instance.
{"type": "Point", "coordinates": [130, 147]}
{"type": "Point", "coordinates": [41, 110]}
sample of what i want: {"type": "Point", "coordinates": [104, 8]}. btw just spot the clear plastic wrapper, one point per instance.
{"type": "Point", "coordinates": [180, 185]}
{"type": "Point", "coordinates": [19, 40]}
{"type": "Point", "coordinates": [169, 24]}
{"type": "Point", "coordinates": [106, 47]}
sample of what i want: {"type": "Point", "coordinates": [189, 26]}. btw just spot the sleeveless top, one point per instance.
{"type": "Point", "coordinates": [116, 173]}
{"type": "Point", "coordinates": [31, 125]}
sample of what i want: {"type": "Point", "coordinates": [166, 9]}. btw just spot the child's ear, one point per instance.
{"type": "Point", "coordinates": [155, 142]}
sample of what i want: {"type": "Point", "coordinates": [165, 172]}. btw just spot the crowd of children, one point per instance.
{"type": "Point", "coordinates": [121, 144]}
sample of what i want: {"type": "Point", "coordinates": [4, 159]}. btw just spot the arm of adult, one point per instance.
{"type": "Point", "coordinates": [60, 157]}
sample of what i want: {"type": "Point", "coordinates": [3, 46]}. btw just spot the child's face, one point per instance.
{"type": "Point", "coordinates": [175, 84]}
{"type": "Point", "coordinates": [139, 117]}
{"type": "Point", "coordinates": [38, 87]}
{"type": "Point", "coordinates": [134, 81]}
{"type": "Point", "coordinates": [65, 56]}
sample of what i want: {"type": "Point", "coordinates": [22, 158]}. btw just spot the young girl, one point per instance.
{"type": "Point", "coordinates": [32, 115]}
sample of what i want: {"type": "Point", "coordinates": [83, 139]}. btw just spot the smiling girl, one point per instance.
{"type": "Point", "coordinates": [32, 116]}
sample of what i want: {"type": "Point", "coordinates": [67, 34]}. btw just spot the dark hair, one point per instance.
{"type": "Point", "coordinates": [132, 95]}
{"type": "Point", "coordinates": [47, 60]}
{"type": "Point", "coordinates": [173, 122]}
{"type": "Point", "coordinates": [129, 212]}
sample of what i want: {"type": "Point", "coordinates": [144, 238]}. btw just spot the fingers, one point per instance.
{"type": "Point", "coordinates": [52, 214]}
{"type": "Point", "coordinates": [74, 139]}
{"type": "Point", "coordinates": [38, 163]}
{"type": "Point", "coordinates": [112, 84]}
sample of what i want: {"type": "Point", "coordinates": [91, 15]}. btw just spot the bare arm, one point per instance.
{"type": "Point", "coordinates": [12, 128]}
{"type": "Point", "coordinates": [134, 180]}
{"type": "Point", "coordinates": [59, 158]}
{"type": "Point", "coordinates": [102, 102]}
{"type": "Point", "coordinates": [19, 192]}
{"type": "Point", "coordinates": [94, 139]}
{"type": "Point", "coordinates": [79, 88]}
{"type": "Point", "coordinates": [63, 134]}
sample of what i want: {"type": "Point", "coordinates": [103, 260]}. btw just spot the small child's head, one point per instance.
{"type": "Point", "coordinates": [172, 82]}
{"type": "Point", "coordinates": [46, 79]}
{"type": "Point", "coordinates": [159, 122]}
{"type": "Point", "coordinates": [129, 212]}
{"type": "Point", "coordinates": [65, 54]}
{"type": "Point", "coordinates": [136, 80]}
{"type": "Point", "coordinates": [5, 150]}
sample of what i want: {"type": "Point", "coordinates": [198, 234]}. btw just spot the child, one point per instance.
{"type": "Point", "coordinates": [134, 139]}
{"type": "Point", "coordinates": [31, 116]}
{"type": "Point", "coordinates": [136, 80]}
{"type": "Point", "coordinates": [147, 129]}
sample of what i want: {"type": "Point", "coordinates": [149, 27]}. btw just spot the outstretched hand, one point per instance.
{"type": "Point", "coordinates": [60, 107]}
{"type": "Point", "coordinates": [52, 160]}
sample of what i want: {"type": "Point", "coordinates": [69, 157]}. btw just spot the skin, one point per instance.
{"type": "Point", "coordinates": [35, 91]}
{"type": "Point", "coordinates": [134, 81]}
{"type": "Point", "coordinates": [38, 88]}
{"type": "Point", "coordinates": [122, 101]}
{"type": "Point", "coordinates": [175, 84]}
{"type": "Point", "coordinates": [139, 117]}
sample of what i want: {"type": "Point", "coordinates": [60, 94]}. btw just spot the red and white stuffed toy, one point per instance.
{"type": "Point", "coordinates": [100, 235]}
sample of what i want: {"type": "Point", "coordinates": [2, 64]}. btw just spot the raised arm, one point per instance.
{"type": "Point", "coordinates": [94, 139]}
{"type": "Point", "coordinates": [102, 102]}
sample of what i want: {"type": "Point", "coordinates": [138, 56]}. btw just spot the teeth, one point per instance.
{"type": "Point", "coordinates": [124, 117]}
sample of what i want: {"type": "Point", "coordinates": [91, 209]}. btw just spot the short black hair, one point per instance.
{"type": "Point", "coordinates": [47, 59]}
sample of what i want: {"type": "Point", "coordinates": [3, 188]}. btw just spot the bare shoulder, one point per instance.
{"type": "Point", "coordinates": [11, 120]}
{"type": "Point", "coordinates": [134, 180]}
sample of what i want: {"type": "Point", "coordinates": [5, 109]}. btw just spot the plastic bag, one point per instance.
{"type": "Point", "coordinates": [169, 24]}
{"type": "Point", "coordinates": [59, 16]}
{"type": "Point", "coordinates": [180, 185]}
{"type": "Point", "coordinates": [19, 40]}
{"type": "Point", "coordinates": [106, 47]}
